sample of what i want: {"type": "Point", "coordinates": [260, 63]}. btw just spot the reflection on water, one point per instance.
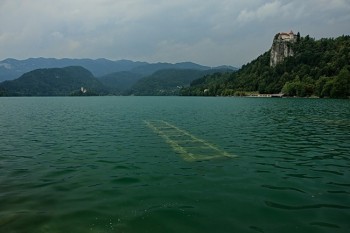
{"type": "Point", "coordinates": [93, 165]}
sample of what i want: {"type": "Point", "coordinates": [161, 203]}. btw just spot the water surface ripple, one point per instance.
{"type": "Point", "coordinates": [93, 165]}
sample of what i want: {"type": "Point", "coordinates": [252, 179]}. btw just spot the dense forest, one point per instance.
{"type": "Point", "coordinates": [53, 82]}
{"type": "Point", "coordinates": [318, 68]}
{"type": "Point", "coordinates": [119, 83]}
{"type": "Point", "coordinates": [168, 81]}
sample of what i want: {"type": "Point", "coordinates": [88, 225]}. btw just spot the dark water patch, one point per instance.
{"type": "Point", "coordinates": [324, 224]}
{"type": "Point", "coordinates": [282, 188]}
{"type": "Point", "coordinates": [92, 166]}
{"type": "Point", "coordinates": [166, 220]}
{"type": "Point", "coordinates": [326, 156]}
{"type": "Point", "coordinates": [104, 161]}
{"type": "Point", "coordinates": [61, 172]}
{"type": "Point", "coordinates": [186, 207]}
{"type": "Point", "coordinates": [277, 166]}
{"type": "Point", "coordinates": [286, 159]}
{"type": "Point", "coordinates": [7, 218]}
{"type": "Point", "coordinates": [126, 180]}
{"type": "Point", "coordinates": [339, 184]}
{"type": "Point", "coordinates": [113, 191]}
{"type": "Point", "coordinates": [28, 220]}
{"type": "Point", "coordinates": [338, 192]}
{"type": "Point", "coordinates": [20, 172]}
{"type": "Point", "coordinates": [25, 156]}
{"type": "Point", "coordinates": [46, 183]}
{"type": "Point", "coordinates": [303, 176]}
{"type": "Point", "coordinates": [304, 207]}
{"type": "Point", "coordinates": [338, 165]}
{"type": "Point", "coordinates": [93, 185]}
{"type": "Point", "coordinates": [120, 167]}
{"type": "Point", "coordinates": [257, 229]}
{"type": "Point", "coordinates": [328, 171]}
{"type": "Point", "coordinates": [262, 171]}
{"type": "Point", "coordinates": [64, 188]}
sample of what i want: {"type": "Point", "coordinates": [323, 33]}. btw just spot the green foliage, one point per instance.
{"type": "Point", "coordinates": [53, 82]}
{"type": "Point", "coordinates": [319, 68]}
{"type": "Point", "coordinates": [2, 92]}
{"type": "Point", "coordinates": [209, 85]}
{"type": "Point", "coordinates": [341, 84]}
{"type": "Point", "coordinates": [120, 82]}
{"type": "Point", "coordinates": [167, 82]}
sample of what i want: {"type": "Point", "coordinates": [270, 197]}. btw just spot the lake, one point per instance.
{"type": "Point", "coordinates": [174, 164]}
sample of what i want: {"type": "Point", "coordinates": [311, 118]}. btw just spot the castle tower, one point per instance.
{"type": "Point", "coordinates": [282, 47]}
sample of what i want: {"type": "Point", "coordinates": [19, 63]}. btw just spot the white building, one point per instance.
{"type": "Point", "coordinates": [285, 36]}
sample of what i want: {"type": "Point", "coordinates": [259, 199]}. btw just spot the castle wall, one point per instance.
{"type": "Point", "coordinates": [281, 48]}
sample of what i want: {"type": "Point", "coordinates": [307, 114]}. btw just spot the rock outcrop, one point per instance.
{"type": "Point", "coordinates": [282, 47]}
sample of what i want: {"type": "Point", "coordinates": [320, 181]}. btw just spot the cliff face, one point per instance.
{"type": "Point", "coordinates": [281, 47]}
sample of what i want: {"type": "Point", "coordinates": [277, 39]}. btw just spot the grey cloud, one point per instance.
{"type": "Point", "coordinates": [209, 32]}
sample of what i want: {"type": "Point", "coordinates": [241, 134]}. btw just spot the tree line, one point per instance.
{"type": "Point", "coordinates": [318, 68]}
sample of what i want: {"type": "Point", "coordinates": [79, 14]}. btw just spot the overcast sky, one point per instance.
{"type": "Point", "coordinates": [209, 32]}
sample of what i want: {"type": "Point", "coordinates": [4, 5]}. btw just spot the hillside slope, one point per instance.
{"type": "Point", "coordinates": [118, 83]}
{"type": "Point", "coordinates": [168, 81]}
{"type": "Point", "coordinates": [53, 82]}
{"type": "Point", "coordinates": [318, 68]}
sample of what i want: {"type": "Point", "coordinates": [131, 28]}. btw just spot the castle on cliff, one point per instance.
{"type": "Point", "coordinates": [281, 47]}
{"type": "Point", "coordinates": [284, 36]}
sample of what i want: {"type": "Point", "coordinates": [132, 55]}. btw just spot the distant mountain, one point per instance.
{"type": "Point", "coordinates": [117, 77]}
{"type": "Point", "coordinates": [73, 80]}
{"type": "Point", "coordinates": [224, 67]}
{"type": "Point", "coordinates": [168, 81]}
{"type": "Point", "coordinates": [151, 68]}
{"type": "Point", "coordinates": [12, 68]}
{"type": "Point", "coordinates": [119, 82]}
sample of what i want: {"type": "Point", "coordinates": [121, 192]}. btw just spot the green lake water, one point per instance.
{"type": "Point", "coordinates": [174, 164]}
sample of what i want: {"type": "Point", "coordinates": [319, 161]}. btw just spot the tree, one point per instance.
{"type": "Point", "coordinates": [341, 85]}
{"type": "Point", "coordinates": [289, 89]}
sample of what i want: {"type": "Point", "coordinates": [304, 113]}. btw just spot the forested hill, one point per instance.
{"type": "Point", "coordinates": [318, 68]}
{"type": "Point", "coordinates": [73, 80]}
{"type": "Point", "coordinates": [169, 81]}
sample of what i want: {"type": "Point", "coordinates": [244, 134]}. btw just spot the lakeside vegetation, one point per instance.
{"type": "Point", "coordinates": [168, 82]}
{"type": "Point", "coordinates": [319, 68]}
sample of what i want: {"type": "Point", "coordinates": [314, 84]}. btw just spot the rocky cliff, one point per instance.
{"type": "Point", "coordinates": [282, 47]}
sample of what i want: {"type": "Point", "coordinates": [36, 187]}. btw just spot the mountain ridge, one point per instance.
{"type": "Point", "coordinates": [11, 68]}
{"type": "Point", "coordinates": [77, 81]}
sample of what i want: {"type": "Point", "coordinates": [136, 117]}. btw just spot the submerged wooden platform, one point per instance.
{"type": "Point", "coordinates": [190, 147]}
